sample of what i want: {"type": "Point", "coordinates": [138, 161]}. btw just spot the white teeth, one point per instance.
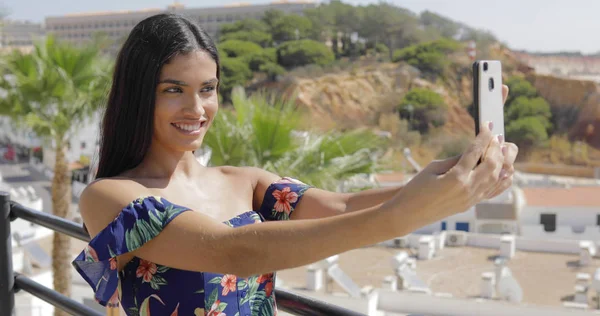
{"type": "Point", "coordinates": [187, 127]}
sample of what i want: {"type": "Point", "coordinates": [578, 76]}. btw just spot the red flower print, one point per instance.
{"type": "Point", "coordinates": [229, 283]}
{"type": "Point", "coordinates": [90, 254]}
{"type": "Point", "coordinates": [146, 269]}
{"type": "Point", "coordinates": [113, 263]}
{"type": "Point", "coordinates": [264, 278]}
{"type": "Point", "coordinates": [214, 309]}
{"type": "Point", "coordinates": [284, 199]}
{"type": "Point", "coordinates": [269, 288]}
{"type": "Point", "coordinates": [176, 311]}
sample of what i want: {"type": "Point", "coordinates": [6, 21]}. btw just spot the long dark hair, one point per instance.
{"type": "Point", "coordinates": [127, 127]}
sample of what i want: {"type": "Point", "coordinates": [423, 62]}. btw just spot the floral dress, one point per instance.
{"type": "Point", "coordinates": [143, 287]}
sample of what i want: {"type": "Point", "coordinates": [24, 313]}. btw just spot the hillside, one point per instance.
{"type": "Point", "coordinates": [364, 94]}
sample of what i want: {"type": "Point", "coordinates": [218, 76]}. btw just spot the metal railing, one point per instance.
{"type": "Point", "coordinates": [11, 282]}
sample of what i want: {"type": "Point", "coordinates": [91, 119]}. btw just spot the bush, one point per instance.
{"type": "Point", "coordinates": [523, 106]}
{"type": "Point", "coordinates": [304, 52]}
{"type": "Point", "coordinates": [237, 48]}
{"type": "Point", "coordinates": [431, 57]}
{"type": "Point", "coordinates": [234, 72]}
{"type": "Point", "coordinates": [272, 70]}
{"type": "Point", "coordinates": [527, 131]}
{"type": "Point", "coordinates": [428, 109]}
{"type": "Point", "coordinates": [519, 87]}
{"type": "Point", "coordinates": [261, 38]}
{"type": "Point", "coordinates": [257, 59]}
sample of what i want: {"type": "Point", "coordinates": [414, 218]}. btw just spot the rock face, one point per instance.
{"type": "Point", "coordinates": [575, 105]}
{"type": "Point", "coordinates": [359, 97]}
{"type": "Point", "coordinates": [354, 98]}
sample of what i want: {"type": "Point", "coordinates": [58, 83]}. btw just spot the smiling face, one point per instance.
{"type": "Point", "coordinates": [186, 101]}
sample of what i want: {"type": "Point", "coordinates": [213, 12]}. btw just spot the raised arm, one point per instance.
{"type": "Point", "coordinates": [318, 203]}
{"type": "Point", "coordinates": [193, 241]}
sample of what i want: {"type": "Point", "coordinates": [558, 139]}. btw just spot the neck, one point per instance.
{"type": "Point", "coordinates": [164, 163]}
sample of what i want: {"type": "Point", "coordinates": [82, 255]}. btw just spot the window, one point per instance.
{"type": "Point", "coordinates": [549, 222]}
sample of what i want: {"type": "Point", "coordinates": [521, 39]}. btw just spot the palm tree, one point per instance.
{"type": "Point", "coordinates": [262, 131]}
{"type": "Point", "coordinates": [53, 90]}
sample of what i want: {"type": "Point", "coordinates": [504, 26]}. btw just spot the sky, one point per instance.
{"type": "Point", "coordinates": [533, 25]}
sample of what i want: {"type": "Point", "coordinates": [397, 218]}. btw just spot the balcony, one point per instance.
{"type": "Point", "coordinates": [11, 282]}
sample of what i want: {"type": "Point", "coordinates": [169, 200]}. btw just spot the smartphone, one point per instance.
{"type": "Point", "coordinates": [487, 95]}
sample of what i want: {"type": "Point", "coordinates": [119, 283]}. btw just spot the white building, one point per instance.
{"type": "Point", "coordinates": [562, 213]}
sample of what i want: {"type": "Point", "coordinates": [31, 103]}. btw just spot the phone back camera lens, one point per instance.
{"type": "Point", "coordinates": [491, 84]}
{"type": "Point", "coordinates": [485, 66]}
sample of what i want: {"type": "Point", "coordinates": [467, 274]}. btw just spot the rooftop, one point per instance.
{"type": "Point", "coordinates": [546, 279]}
{"type": "Point", "coordinates": [584, 196]}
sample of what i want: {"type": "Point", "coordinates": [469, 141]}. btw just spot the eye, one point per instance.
{"type": "Point", "coordinates": [207, 89]}
{"type": "Point", "coordinates": [173, 90]}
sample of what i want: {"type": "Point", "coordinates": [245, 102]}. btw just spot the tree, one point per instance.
{"type": "Point", "coordinates": [526, 132]}
{"type": "Point", "coordinates": [272, 70]}
{"type": "Point", "coordinates": [256, 59]}
{"type": "Point", "coordinates": [394, 26]}
{"type": "Point", "coordinates": [519, 87]}
{"type": "Point", "coordinates": [237, 48]}
{"type": "Point", "coordinates": [261, 38]}
{"type": "Point", "coordinates": [423, 108]}
{"type": "Point", "coordinates": [443, 25]}
{"type": "Point", "coordinates": [244, 25]}
{"type": "Point", "coordinates": [235, 72]}
{"type": "Point", "coordinates": [260, 132]}
{"type": "Point", "coordinates": [53, 90]}
{"type": "Point", "coordinates": [430, 57]}
{"type": "Point", "coordinates": [523, 107]}
{"type": "Point", "coordinates": [304, 52]}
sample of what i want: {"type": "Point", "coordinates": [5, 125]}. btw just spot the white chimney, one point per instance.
{"type": "Point", "coordinates": [507, 246]}
{"type": "Point", "coordinates": [587, 251]}
{"type": "Point", "coordinates": [426, 248]}
{"type": "Point", "coordinates": [488, 284]}
{"type": "Point", "coordinates": [580, 294]}
{"type": "Point", "coordinates": [390, 282]}
{"type": "Point", "coordinates": [314, 278]}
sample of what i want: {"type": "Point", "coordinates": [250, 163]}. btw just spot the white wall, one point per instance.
{"type": "Point", "coordinates": [468, 216]}
{"type": "Point", "coordinates": [571, 215]}
{"type": "Point", "coordinates": [575, 223]}
{"type": "Point", "coordinates": [562, 232]}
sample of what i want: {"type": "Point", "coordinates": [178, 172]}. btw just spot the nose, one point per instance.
{"type": "Point", "coordinates": [197, 105]}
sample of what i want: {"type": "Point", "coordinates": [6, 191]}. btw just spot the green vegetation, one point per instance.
{"type": "Point", "coordinates": [423, 108]}
{"type": "Point", "coordinates": [431, 57]}
{"type": "Point", "coordinates": [528, 116]}
{"type": "Point", "coordinates": [336, 30]}
{"type": "Point", "coordinates": [259, 131]}
{"type": "Point", "coordinates": [52, 91]}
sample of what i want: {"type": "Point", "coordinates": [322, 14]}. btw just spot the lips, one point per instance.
{"type": "Point", "coordinates": [190, 127]}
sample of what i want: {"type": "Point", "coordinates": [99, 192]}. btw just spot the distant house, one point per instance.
{"type": "Point", "coordinates": [565, 213]}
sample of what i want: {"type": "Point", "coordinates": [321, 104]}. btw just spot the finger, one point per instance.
{"type": "Point", "coordinates": [440, 167]}
{"type": "Point", "coordinates": [504, 93]}
{"type": "Point", "coordinates": [503, 185]}
{"type": "Point", "coordinates": [510, 152]}
{"type": "Point", "coordinates": [487, 173]}
{"type": "Point", "coordinates": [469, 159]}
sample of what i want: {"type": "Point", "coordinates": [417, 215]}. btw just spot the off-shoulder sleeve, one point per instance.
{"type": "Point", "coordinates": [139, 222]}
{"type": "Point", "coordinates": [281, 198]}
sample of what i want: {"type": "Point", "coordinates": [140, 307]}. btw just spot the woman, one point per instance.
{"type": "Point", "coordinates": [152, 253]}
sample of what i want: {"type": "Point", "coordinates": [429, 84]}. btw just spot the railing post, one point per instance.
{"type": "Point", "coordinates": [7, 279]}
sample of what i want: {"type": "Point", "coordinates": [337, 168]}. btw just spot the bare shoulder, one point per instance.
{"type": "Point", "coordinates": [257, 176]}
{"type": "Point", "coordinates": [102, 201]}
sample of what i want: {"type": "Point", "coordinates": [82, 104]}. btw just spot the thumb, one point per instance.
{"type": "Point", "coordinates": [440, 167]}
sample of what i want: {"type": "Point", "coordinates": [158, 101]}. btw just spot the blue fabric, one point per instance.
{"type": "Point", "coordinates": [143, 287]}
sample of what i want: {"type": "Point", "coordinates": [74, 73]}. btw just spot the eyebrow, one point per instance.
{"type": "Point", "coordinates": [183, 83]}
